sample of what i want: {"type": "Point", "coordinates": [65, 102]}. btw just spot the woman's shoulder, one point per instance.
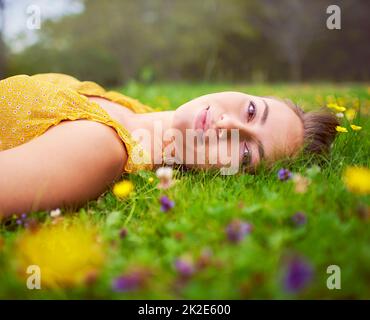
{"type": "Point", "coordinates": [56, 78]}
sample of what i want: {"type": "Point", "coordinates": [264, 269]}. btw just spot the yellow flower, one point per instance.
{"type": "Point", "coordinates": [332, 105]}
{"type": "Point", "coordinates": [350, 114]}
{"type": "Point", "coordinates": [341, 101]}
{"type": "Point", "coordinates": [357, 179]}
{"type": "Point", "coordinates": [336, 107]}
{"type": "Point", "coordinates": [66, 255]}
{"type": "Point", "coordinates": [355, 128]}
{"type": "Point", "coordinates": [151, 179]}
{"type": "Point", "coordinates": [341, 129]}
{"type": "Point", "coordinates": [330, 99]}
{"type": "Point", "coordinates": [123, 188]}
{"type": "Point", "coordinates": [341, 109]}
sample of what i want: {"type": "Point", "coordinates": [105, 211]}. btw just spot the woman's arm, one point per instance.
{"type": "Point", "coordinates": [68, 165]}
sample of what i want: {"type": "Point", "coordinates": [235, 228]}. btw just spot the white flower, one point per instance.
{"type": "Point", "coordinates": [55, 213]}
{"type": "Point", "coordinates": [164, 175]}
{"type": "Point", "coordinates": [340, 115]}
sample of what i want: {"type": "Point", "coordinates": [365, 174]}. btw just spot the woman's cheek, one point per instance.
{"type": "Point", "coordinates": [225, 154]}
{"type": "Point", "coordinates": [183, 119]}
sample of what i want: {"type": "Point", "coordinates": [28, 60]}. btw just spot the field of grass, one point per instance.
{"type": "Point", "coordinates": [191, 251]}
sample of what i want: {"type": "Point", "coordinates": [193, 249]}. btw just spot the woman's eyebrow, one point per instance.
{"type": "Point", "coordinates": [265, 112]}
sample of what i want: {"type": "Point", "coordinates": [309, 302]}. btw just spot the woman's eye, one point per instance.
{"type": "Point", "coordinates": [246, 156]}
{"type": "Point", "coordinates": [251, 111]}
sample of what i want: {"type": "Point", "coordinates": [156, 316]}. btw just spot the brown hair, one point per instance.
{"type": "Point", "coordinates": [318, 129]}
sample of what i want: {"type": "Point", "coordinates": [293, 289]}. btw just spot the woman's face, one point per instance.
{"type": "Point", "coordinates": [267, 130]}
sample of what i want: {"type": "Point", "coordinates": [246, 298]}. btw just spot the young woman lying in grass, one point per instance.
{"type": "Point", "coordinates": [64, 142]}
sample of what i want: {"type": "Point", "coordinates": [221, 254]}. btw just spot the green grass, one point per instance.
{"type": "Point", "coordinates": [336, 232]}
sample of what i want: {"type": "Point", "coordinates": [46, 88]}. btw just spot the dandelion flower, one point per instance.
{"type": "Point", "coordinates": [355, 128]}
{"type": "Point", "coordinates": [123, 188]}
{"type": "Point", "coordinates": [341, 129]}
{"type": "Point", "coordinates": [357, 179]}
{"type": "Point", "coordinates": [350, 114]}
{"type": "Point", "coordinates": [65, 254]}
{"type": "Point", "coordinates": [336, 107]}
{"type": "Point", "coordinates": [332, 105]}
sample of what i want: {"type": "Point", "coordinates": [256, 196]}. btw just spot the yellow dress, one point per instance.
{"type": "Point", "coordinates": [29, 105]}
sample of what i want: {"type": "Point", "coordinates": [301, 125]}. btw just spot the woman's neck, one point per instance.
{"type": "Point", "coordinates": [152, 130]}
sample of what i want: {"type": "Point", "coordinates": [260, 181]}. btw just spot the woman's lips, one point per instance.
{"type": "Point", "coordinates": [201, 120]}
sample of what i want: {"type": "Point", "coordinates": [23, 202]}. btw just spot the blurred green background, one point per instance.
{"type": "Point", "coordinates": [165, 52]}
{"type": "Point", "coordinates": [117, 41]}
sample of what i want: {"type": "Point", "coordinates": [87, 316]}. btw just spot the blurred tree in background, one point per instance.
{"type": "Point", "coordinates": [114, 41]}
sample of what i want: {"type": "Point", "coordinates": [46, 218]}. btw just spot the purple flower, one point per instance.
{"type": "Point", "coordinates": [237, 230]}
{"type": "Point", "coordinates": [185, 267]}
{"type": "Point", "coordinates": [299, 274]}
{"type": "Point", "coordinates": [166, 204]}
{"type": "Point", "coordinates": [299, 218]}
{"type": "Point", "coordinates": [129, 282]}
{"type": "Point", "coordinates": [22, 220]}
{"type": "Point", "coordinates": [284, 174]}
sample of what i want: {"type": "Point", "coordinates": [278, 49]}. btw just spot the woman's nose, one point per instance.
{"type": "Point", "coordinates": [228, 122]}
